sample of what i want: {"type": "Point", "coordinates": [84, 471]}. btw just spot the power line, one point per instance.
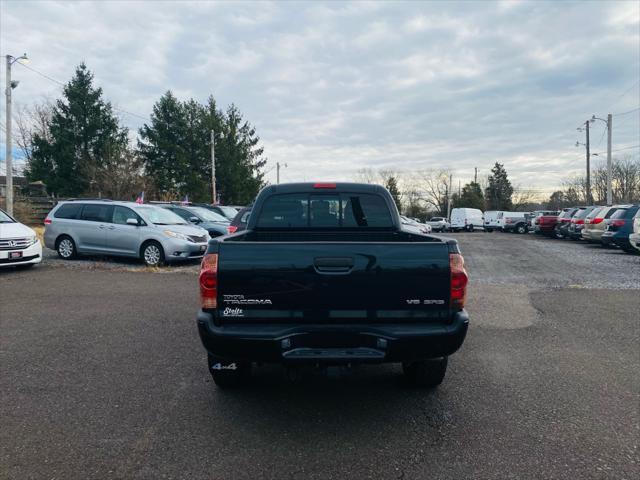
{"type": "Point", "coordinates": [617, 99]}
{"type": "Point", "coordinates": [627, 112]}
{"type": "Point", "coordinates": [621, 149]}
{"type": "Point", "coordinates": [44, 75]}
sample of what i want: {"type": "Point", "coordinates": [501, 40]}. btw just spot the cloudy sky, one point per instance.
{"type": "Point", "coordinates": [335, 87]}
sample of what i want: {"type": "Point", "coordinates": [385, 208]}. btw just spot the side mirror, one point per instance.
{"type": "Point", "coordinates": [132, 221]}
{"type": "Point", "coordinates": [194, 220]}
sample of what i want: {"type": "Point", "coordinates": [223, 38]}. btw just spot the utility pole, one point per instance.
{"type": "Point", "coordinates": [609, 186]}
{"type": "Point", "coordinates": [449, 197]}
{"type": "Point", "coordinates": [9, 156]}
{"type": "Point", "coordinates": [277, 173]}
{"type": "Point", "coordinates": [589, 202]}
{"type": "Point", "coordinates": [475, 175]}
{"type": "Point", "coordinates": [213, 168]}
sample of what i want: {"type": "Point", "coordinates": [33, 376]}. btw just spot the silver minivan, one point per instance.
{"type": "Point", "coordinates": [105, 227]}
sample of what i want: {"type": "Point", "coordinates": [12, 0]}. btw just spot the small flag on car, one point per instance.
{"type": "Point", "coordinates": [185, 200]}
{"type": "Point", "coordinates": [140, 198]}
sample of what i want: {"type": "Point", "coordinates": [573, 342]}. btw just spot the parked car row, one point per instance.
{"type": "Point", "coordinates": [156, 233]}
{"type": "Point", "coordinates": [615, 225]}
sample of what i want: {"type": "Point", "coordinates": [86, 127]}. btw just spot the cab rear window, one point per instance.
{"type": "Point", "coordinates": [344, 210]}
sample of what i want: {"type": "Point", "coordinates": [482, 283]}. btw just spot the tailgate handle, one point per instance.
{"type": "Point", "coordinates": [333, 264]}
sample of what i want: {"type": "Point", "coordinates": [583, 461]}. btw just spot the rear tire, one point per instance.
{"type": "Point", "coordinates": [228, 374]}
{"type": "Point", "coordinates": [521, 229]}
{"type": "Point", "coordinates": [489, 230]}
{"type": "Point", "coordinates": [425, 373]}
{"type": "Point", "coordinates": [557, 234]}
{"type": "Point", "coordinates": [152, 254]}
{"type": "Point", "coordinates": [66, 248]}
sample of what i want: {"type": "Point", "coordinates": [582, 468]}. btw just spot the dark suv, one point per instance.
{"type": "Point", "coordinates": [619, 227]}
{"type": "Point", "coordinates": [561, 229]}
{"type": "Point", "coordinates": [576, 225]}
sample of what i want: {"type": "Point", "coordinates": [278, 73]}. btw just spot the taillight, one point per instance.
{"type": "Point", "coordinates": [580, 222]}
{"type": "Point", "coordinates": [596, 220]}
{"type": "Point", "coordinates": [618, 222]}
{"type": "Point", "coordinates": [459, 279]}
{"type": "Point", "coordinates": [232, 229]}
{"type": "Point", "coordinates": [47, 221]}
{"type": "Point", "coordinates": [209, 281]}
{"type": "Point", "coordinates": [324, 185]}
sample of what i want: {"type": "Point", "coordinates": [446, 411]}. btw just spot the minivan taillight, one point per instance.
{"type": "Point", "coordinates": [209, 281]}
{"type": "Point", "coordinates": [232, 229]}
{"type": "Point", "coordinates": [47, 221]}
{"type": "Point", "coordinates": [595, 221]}
{"type": "Point", "coordinates": [459, 280]}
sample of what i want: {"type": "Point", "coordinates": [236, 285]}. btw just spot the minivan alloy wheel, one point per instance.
{"type": "Point", "coordinates": [152, 254]}
{"type": "Point", "coordinates": [65, 248]}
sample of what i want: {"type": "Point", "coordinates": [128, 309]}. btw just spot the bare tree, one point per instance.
{"type": "Point", "coordinates": [522, 198]}
{"type": "Point", "coordinates": [33, 120]}
{"type": "Point", "coordinates": [434, 186]}
{"type": "Point", "coordinates": [625, 183]}
{"type": "Point", "coordinates": [626, 175]}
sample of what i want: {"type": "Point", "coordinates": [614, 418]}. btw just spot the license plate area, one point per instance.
{"type": "Point", "coordinates": [15, 254]}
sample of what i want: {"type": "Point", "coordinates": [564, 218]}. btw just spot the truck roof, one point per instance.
{"type": "Point", "coordinates": [324, 186]}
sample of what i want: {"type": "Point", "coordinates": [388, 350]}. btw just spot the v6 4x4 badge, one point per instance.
{"type": "Point", "coordinates": [220, 366]}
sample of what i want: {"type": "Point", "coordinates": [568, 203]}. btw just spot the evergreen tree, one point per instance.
{"type": "Point", "coordinates": [392, 186]}
{"type": "Point", "coordinates": [498, 193]}
{"type": "Point", "coordinates": [85, 139]}
{"type": "Point", "coordinates": [471, 197]}
{"type": "Point", "coordinates": [239, 177]}
{"type": "Point", "coordinates": [161, 146]}
{"type": "Point", "coordinates": [176, 151]}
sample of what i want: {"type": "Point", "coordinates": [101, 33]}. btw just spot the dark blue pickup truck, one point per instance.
{"type": "Point", "coordinates": [324, 274]}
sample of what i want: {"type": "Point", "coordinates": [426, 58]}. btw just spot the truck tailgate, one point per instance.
{"type": "Point", "coordinates": [340, 282]}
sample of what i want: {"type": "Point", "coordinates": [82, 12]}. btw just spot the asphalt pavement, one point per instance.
{"type": "Point", "coordinates": [102, 375]}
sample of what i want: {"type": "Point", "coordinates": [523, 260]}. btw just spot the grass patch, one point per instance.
{"type": "Point", "coordinates": [39, 232]}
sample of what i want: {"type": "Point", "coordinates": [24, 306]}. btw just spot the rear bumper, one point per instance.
{"type": "Point", "coordinates": [318, 343]}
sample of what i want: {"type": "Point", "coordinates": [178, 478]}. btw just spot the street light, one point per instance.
{"type": "Point", "coordinates": [11, 84]}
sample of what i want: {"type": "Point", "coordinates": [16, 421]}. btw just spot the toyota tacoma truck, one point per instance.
{"type": "Point", "coordinates": [325, 274]}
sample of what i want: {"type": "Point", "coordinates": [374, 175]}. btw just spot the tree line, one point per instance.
{"type": "Point", "coordinates": [78, 147]}
{"type": "Point", "coordinates": [426, 193]}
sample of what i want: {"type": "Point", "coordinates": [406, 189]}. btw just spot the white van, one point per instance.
{"type": "Point", "coordinates": [467, 219]}
{"type": "Point", "coordinates": [491, 220]}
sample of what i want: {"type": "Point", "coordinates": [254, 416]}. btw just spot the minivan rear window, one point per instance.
{"type": "Point", "coordinates": [68, 210]}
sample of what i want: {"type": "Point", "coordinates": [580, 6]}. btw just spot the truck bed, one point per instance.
{"type": "Point", "coordinates": [332, 277]}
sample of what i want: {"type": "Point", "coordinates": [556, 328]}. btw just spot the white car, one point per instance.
{"type": "Point", "coordinates": [19, 245]}
{"type": "Point", "coordinates": [438, 224]}
{"type": "Point", "coordinates": [467, 219]}
{"type": "Point", "coordinates": [634, 238]}
{"type": "Point", "coordinates": [412, 225]}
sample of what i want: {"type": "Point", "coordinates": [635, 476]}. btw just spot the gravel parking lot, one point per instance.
{"type": "Point", "coordinates": [103, 376]}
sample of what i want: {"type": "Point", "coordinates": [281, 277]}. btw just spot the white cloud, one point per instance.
{"type": "Point", "coordinates": [335, 87]}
